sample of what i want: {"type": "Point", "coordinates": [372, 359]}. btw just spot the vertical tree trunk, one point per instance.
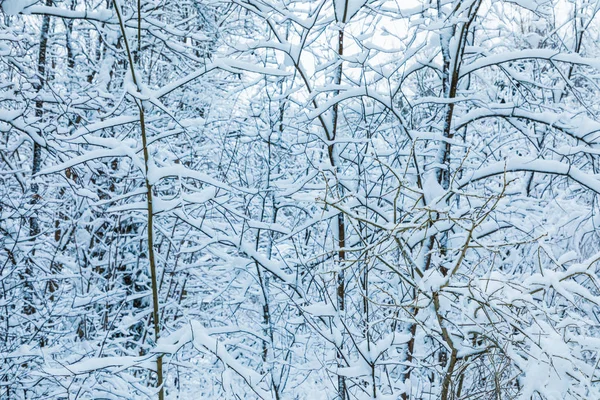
{"type": "Point", "coordinates": [36, 163]}
{"type": "Point", "coordinates": [149, 205]}
{"type": "Point", "coordinates": [450, 78]}
{"type": "Point", "coordinates": [341, 228]}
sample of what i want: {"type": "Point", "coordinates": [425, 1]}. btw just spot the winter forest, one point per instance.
{"type": "Point", "coordinates": [300, 199]}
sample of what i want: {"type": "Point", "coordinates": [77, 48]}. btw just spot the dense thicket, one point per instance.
{"type": "Point", "coordinates": [336, 199]}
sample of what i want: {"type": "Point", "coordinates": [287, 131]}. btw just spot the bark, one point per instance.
{"type": "Point", "coordinates": [149, 207]}
{"type": "Point", "coordinates": [36, 166]}
{"type": "Point", "coordinates": [341, 229]}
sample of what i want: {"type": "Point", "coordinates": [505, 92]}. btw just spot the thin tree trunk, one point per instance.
{"type": "Point", "coordinates": [36, 166]}
{"type": "Point", "coordinates": [341, 228]}
{"type": "Point", "coordinates": [149, 207]}
{"type": "Point", "coordinates": [450, 79]}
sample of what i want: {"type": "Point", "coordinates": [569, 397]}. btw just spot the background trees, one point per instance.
{"type": "Point", "coordinates": [335, 199]}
